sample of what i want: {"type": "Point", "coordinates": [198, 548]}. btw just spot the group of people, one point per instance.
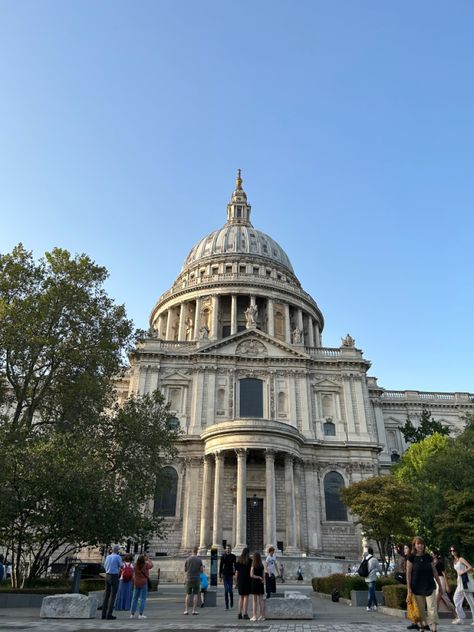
{"type": "Point", "coordinates": [126, 584]}
{"type": "Point", "coordinates": [251, 575]}
{"type": "Point", "coordinates": [426, 582]}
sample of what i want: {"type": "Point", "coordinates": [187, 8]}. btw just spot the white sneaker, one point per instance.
{"type": "Point", "coordinates": [142, 616]}
{"type": "Point", "coordinates": [456, 621]}
{"type": "Point", "coordinates": [368, 609]}
{"type": "Point", "coordinates": [132, 616]}
{"type": "Point", "coordinates": [253, 618]}
{"type": "Point", "coordinates": [374, 608]}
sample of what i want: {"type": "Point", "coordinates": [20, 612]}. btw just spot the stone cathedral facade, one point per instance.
{"type": "Point", "coordinates": [273, 422]}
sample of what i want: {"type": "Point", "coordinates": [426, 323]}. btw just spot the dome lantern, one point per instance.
{"type": "Point", "coordinates": [238, 211]}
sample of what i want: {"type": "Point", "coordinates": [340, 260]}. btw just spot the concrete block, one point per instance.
{"type": "Point", "coordinates": [71, 606]}
{"type": "Point", "coordinates": [359, 598]}
{"type": "Point", "coordinates": [294, 605]}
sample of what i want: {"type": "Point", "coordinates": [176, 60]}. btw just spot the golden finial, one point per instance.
{"type": "Point", "coordinates": [238, 182]}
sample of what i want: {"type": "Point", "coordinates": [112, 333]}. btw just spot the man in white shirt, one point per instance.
{"type": "Point", "coordinates": [271, 570]}
{"type": "Point", "coordinates": [374, 568]}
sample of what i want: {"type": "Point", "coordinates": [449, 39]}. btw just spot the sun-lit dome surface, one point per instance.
{"type": "Point", "coordinates": [238, 236]}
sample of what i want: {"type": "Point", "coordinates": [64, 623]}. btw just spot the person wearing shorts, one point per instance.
{"type": "Point", "coordinates": [193, 568]}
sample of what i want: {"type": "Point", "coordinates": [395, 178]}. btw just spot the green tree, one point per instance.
{"type": "Point", "coordinates": [382, 507]}
{"type": "Point", "coordinates": [426, 427]}
{"type": "Point", "coordinates": [76, 468]}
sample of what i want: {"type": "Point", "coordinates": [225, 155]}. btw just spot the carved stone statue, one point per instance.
{"type": "Point", "coordinates": [297, 336]}
{"type": "Point", "coordinates": [251, 316]}
{"type": "Point", "coordinates": [189, 328]}
{"type": "Point", "coordinates": [204, 333]}
{"type": "Point", "coordinates": [348, 341]}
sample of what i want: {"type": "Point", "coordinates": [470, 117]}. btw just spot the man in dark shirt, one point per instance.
{"type": "Point", "coordinates": [226, 573]}
{"type": "Point", "coordinates": [193, 568]}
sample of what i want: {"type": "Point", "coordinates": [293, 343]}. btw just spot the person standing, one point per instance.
{"type": "Point", "coordinates": [2, 568]}
{"type": "Point", "coordinates": [193, 567]}
{"type": "Point", "coordinates": [123, 600]}
{"type": "Point", "coordinates": [113, 564]}
{"type": "Point", "coordinates": [271, 570]}
{"type": "Point", "coordinates": [204, 585]}
{"type": "Point", "coordinates": [141, 577]}
{"type": "Point", "coordinates": [257, 586]}
{"type": "Point", "coordinates": [226, 574]}
{"type": "Point", "coordinates": [422, 578]}
{"type": "Point", "coordinates": [242, 580]}
{"type": "Point", "coordinates": [462, 568]}
{"type": "Point", "coordinates": [371, 579]}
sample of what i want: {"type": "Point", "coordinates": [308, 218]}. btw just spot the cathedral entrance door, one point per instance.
{"type": "Point", "coordinates": [255, 524]}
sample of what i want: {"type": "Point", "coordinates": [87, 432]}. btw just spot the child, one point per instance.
{"type": "Point", "coordinates": [204, 585]}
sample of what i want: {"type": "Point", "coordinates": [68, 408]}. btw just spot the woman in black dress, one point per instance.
{"type": "Point", "coordinates": [422, 578]}
{"type": "Point", "coordinates": [257, 586]}
{"type": "Point", "coordinates": [242, 582]}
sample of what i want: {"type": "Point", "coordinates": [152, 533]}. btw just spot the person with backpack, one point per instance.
{"type": "Point", "coordinates": [123, 601]}
{"type": "Point", "coordinates": [368, 569]}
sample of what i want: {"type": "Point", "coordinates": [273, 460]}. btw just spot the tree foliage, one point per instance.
{"type": "Point", "coordinates": [382, 507]}
{"type": "Point", "coordinates": [76, 468]}
{"type": "Point", "coordinates": [426, 427]}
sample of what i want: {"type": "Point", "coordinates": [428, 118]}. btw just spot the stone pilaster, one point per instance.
{"type": "Point", "coordinates": [190, 505]}
{"type": "Point", "coordinates": [205, 536]}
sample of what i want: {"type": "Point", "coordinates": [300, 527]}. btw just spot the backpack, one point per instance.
{"type": "Point", "coordinates": [363, 569]}
{"type": "Point", "coordinates": [127, 573]}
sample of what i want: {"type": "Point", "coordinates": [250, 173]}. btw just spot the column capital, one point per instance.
{"type": "Point", "coordinates": [219, 455]}
{"type": "Point", "coordinates": [241, 452]}
{"type": "Point", "coordinates": [270, 454]}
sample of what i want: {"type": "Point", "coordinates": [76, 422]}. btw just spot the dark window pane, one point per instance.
{"type": "Point", "coordinates": [335, 509]}
{"type": "Point", "coordinates": [225, 331]}
{"type": "Point", "coordinates": [329, 429]}
{"type": "Point", "coordinates": [251, 398]}
{"type": "Point", "coordinates": [166, 492]}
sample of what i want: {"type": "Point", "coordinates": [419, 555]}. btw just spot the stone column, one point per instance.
{"type": "Point", "coordinates": [241, 509]}
{"type": "Point", "coordinates": [197, 318]}
{"type": "Point", "coordinates": [169, 324]}
{"type": "Point", "coordinates": [300, 324]}
{"type": "Point", "coordinates": [233, 314]}
{"type": "Point", "coordinates": [310, 332]}
{"type": "Point", "coordinates": [161, 333]}
{"type": "Point", "coordinates": [270, 499]}
{"type": "Point", "coordinates": [300, 524]}
{"type": "Point", "coordinates": [205, 536]}
{"type": "Point", "coordinates": [217, 511]}
{"type": "Point", "coordinates": [287, 324]}
{"type": "Point", "coordinates": [182, 322]}
{"type": "Point", "coordinates": [270, 317]}
{"type": "Point", "coordinates": [215, 317]}
{"type": "Point", "coordinates": [317, 335]}
{"type": "Point", "coordinates": [290, 506]}
{"type": "Point", "coordinates": [190, 506]}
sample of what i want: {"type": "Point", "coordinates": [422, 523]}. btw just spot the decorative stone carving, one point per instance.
{"type": "Point", "coordinates": [296, 336]}
{"type": "Point", "coordinates": [251, 348]}
{"type": "Point", "coordinates": [204, 333]}
{"type": "Point", "coordinates": [348, 341]}
{"type": "Point", "coordinates": [251, 316]}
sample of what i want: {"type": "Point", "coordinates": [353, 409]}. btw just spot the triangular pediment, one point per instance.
{"type": "Point", "coordinates": [252, 343]}
{"type": "Point", "coordinates": [325, 383]}
{"type": "Point", "coordinates": [176, 376]}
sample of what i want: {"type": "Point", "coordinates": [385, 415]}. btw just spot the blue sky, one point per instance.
{"type": "Point", "coordinates": [122, 125]}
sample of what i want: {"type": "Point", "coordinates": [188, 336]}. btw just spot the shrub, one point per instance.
{"type": "Point", "coordinates": [395, 596]}
{"type": "Point", "coordinates": [345, 583]}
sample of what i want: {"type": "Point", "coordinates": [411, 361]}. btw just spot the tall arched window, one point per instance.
{"type": "Point", "coordinates": [166, 492]}
{"type": "Point", "coordinates": [335, 509]}
{"type": "Point", "coordinates": [251, 397]}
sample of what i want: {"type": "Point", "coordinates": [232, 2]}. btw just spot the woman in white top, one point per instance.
{"type": "Point", "coordinates": [462, 567]}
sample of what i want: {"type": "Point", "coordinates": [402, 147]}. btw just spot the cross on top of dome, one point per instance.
{"type": "Point", "coordinates": [238, 211]}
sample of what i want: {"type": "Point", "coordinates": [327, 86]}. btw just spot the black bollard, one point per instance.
{"type": "Point", "coordinates": [76, 580]}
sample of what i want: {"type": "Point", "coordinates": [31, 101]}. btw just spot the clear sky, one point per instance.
{"type": "Point", "coordinates": [122, 124]}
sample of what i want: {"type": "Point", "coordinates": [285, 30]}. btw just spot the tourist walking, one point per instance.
{"type": "Point", "coordinates": [422, 578]}
{"type": "Point", "coordinates": [242, 582]}
{"type": "Point", "coordinates": [257, 587]}
{"type": "Point", "coordinates": [226, 574]}
{"type": "Point", "coordinates": [463, 568]}
{"type": "Point", "coordinates": [271, 570]}
{"type": "Point", "coordinates": [123, 601]}
{"type": "Point", "coordinates": [442, 593]}
{"type": "Point", "coordinates": [193, 567]}
{"type": "Point", "coordinates": [141, 578]}
{"type": "Point", "coordinates": [204, 581]}
{"type": "Point", "coordinates": [371, 579]}
{"type": "Point", "coordinates": [112, 564]}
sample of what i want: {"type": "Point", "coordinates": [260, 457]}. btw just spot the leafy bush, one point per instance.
{"type": "Point", "coordinates": [88, 585]}
{"type": "Point", "coordinates": [345, 583]}
{"type": "Point", "coordinates": [395, 596]}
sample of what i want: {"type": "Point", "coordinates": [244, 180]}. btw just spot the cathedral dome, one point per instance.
{"type": "Point", "coordinates": [238, 236]}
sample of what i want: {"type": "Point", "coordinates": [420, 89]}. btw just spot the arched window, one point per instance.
{"type": "Point", "coordinates": [166, 492]}
{"type": "Point", "coordinates": [251, 397]}
{"type": "Point", "coordinates": [282, 402]}
{"type": "Point", "coordinates": [335, 509]}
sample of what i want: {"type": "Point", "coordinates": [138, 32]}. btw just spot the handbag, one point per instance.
{"type": "Point", "coordinates": [400, 577]}
{"type": "Point", "coordinates": [413, 612]}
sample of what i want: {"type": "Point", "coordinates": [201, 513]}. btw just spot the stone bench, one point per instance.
{"type": "Point", "coordinates": [292, 605]}
{"type": "Point", "coordinates": [70, 606]}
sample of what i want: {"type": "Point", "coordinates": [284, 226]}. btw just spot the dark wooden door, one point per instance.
{"type": "Point", "coordinates": [255, 524]}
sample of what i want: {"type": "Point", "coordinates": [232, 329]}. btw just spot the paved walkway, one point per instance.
{"type": "Point", "coordinates": [164, 612]}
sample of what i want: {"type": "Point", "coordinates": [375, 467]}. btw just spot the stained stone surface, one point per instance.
{"type": "Point", "coordinates": [69, 607]}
